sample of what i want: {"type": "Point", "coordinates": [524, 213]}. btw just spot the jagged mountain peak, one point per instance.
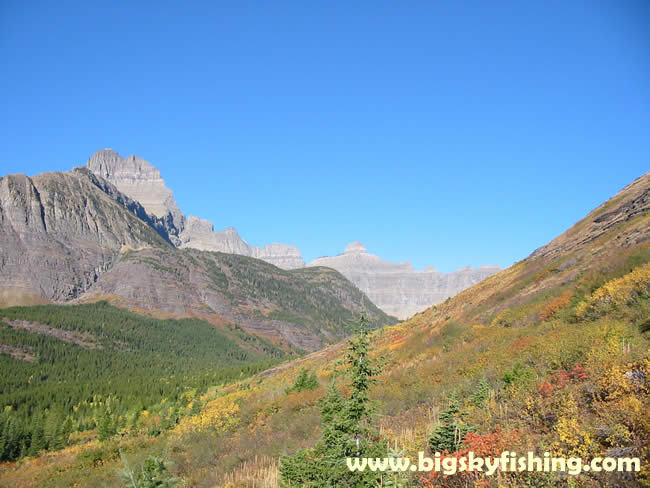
{"type": "Point", "coordinates": [104, 160]}
{"type": "Point", "coordinates": [141, 181]}
{"type": "Point", "coordinates": [109, 164]}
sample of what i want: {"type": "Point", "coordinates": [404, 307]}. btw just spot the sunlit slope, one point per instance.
{"type": "Point", "coordinates": [551, 354]}
{"type": "Point", "coordinates": [529, 351]}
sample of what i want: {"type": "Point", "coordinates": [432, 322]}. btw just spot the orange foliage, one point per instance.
{"type": "Point", "coordinates": [488, 444]}
{"type": "Point", "coordinates": [556, 304]}
{"type": "Point", "coordinates": [521, 343]}
{"type": "Point", "coordinates": [560, 378]}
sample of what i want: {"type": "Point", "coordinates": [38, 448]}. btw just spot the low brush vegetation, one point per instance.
{"type": "Point", "coordinates": [541, 357]}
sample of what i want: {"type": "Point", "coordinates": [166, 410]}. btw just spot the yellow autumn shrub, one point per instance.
{"type": "Point", "coordinates": [573, 437]}
{"type": "Point", "coordinates": [220, 415]}
{"type": "Point", "coordinates": [617, 293]}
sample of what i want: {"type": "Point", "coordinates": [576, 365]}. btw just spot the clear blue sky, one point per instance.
{"type": "Point", "coordinates": [443, 132]}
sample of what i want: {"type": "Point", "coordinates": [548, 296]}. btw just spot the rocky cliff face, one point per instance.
{"type": "Point", "coordinates": [59, 232]}
{"type": "Point", "coordinates": [200, 234]}
{"type": "Point", "coordinates": [397, 288]}
{"type": "Point", "coordinates": [281, 255]}
{"type": "Point", "coordinates": [142, 182]}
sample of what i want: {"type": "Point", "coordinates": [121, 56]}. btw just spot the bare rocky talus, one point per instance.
{"type": "Point", "coordinates": [397, 288]}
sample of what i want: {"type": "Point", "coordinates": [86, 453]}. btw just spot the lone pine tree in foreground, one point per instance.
{"type": "Point", "coordinates": [346, 428]}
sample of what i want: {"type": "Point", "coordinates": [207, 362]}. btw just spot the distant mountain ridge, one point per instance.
{"type": "Point", "coordinates": [397, 288]}
{"type": "Point", "coordinates": [200, 234]}
{"type": "Point", "coordinates": [135, 185]}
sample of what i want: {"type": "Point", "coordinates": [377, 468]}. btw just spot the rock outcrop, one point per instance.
{"type": "Point", "coordinates": [280, 255]}
{"type": "Point", "coordinates": [59, 232]}
{"type": "Point", "coordinates": [200, 234]}
{"type": "Point", "coordinates": [397, 288]}
{"type": "Point", "coordinates": [142, 182]}
{"type": "Point", "coordinates": [630, 203]}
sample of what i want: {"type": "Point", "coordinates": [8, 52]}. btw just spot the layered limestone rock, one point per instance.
{"type": "Point", "coordinates": [397, 288]}
{"type": "Point", "coordinates": [281, 255]}
{"type": "Point", "coordinates": [200, 234]}
{"type": "Point", "coordinates": [142, 182]}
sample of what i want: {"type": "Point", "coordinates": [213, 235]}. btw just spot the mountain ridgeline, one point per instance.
{"type": "Point", "coordinates": [395, 288]}
{"type": "Point", "coordinates": [75, 237]}
{"type": "Point", "coordinates": [306, 308]}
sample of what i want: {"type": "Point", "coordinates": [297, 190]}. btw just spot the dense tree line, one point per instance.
{"type": "Point", "coordinates": [126, 365]}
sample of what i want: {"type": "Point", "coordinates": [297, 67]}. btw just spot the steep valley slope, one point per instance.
{"type": "Point", "coordinates": [306, 308]}
{"type": "Point", "coordinates": [551, 354]}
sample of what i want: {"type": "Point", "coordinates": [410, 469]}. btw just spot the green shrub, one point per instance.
{"type": "Point", "coordinates": [152, 474]}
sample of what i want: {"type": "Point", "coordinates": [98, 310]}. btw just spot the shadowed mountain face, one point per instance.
{"type": "Point", "coordinates": [397, 288]}
{"type": "Point", "coordinates": [75, 236]}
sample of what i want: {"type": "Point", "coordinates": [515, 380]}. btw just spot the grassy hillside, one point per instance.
{"type": "Point", "coordinates": [306, 308]}
{"type": "Point", "coordinates": [96, 366]}
{"type": "Point", "coordinates": [552, 354]}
